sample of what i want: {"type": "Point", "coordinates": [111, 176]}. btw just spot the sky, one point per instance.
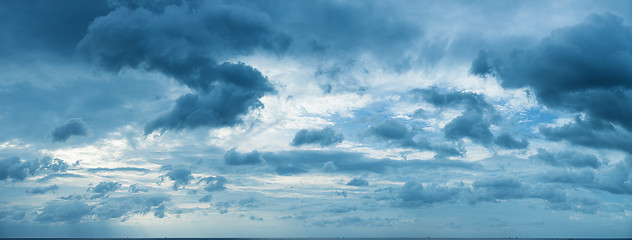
{"type": "Point", "coordinates": [315, 118]}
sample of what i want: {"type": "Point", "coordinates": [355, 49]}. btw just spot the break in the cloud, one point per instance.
{"type": "Point", "coordinates": [315, 119]}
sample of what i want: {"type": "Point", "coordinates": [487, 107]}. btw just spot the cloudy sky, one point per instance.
{"type": "Point", "coordinates": [315, 118]}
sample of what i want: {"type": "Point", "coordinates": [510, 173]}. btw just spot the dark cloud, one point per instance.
{"type": "Point", "coordinates": [481, 65]}
{"type": "Point", "coordinates": [214, 183]}
{"type": "Point", "coordinates": [395, 132]}
{"type": "Point", "coordinates": [414, 194]}
{"type": "Point", "coordinates": [174, 42]}
{"type": "Point", "coordinates": [507, 141]}
{"type": "Point", "coordinates": [358, 182]}
{"type": "Point", "coordinates": [63, 211]}
{"type": "Point", "coordinates": [474, 123]}
{"type": "Point", "coordinates": [324, 137]}
{"type": "Point", "coordinates": [13, 168]}
{"type": "Point", "coordinates": [103, 189]}
{"type": "Point", "coordinates": [223, 106]}
{"type": "Point", "coordinates": [582, 68]}
{"type": "Point", "coordinates": [233, 157]}
{"type": "Point", "coordinates": [567, 158]}
{"type": "Point", "coordinates": [43, 190]}
{"type": "Point", "coordinates": [180, 177]}
{"type": "Point", "coordinates": [17, 169]}
{"type": "Point", "coordinates": [56, 30]}
{"type": "Point", "coordinates": [590, 133]}
{"type": "Point", "coordinates": [74, 127]}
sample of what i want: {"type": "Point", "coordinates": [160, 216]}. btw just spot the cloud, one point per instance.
{"type": "Point", "coordinates": [414, 194]}
{"type": "Point", "coordinates": [119, 169]}
{"type": "Point", "coordinates": [590, 133]}
{"type": "Point", "coordinates": [56, 30]}
{"type": "Point", "coordinates": [214, 183]}
{"type": "Point", "coordinates": [348, 32]}
{"type": "Point", "coordinates": [324, 137]}
{"type": "Point", "coordinates": [567, 158]}
{"type": "Point", "coordinates": [16, 169]}
{"type": "Point", "coordinates": [358, 182]}
{"type": "Point", "coordinates": [102, 189]}
{"type": "Point", "coordinates": [581, 68]}
{"type": "Point", "coordinates": [340, 209]}
{"type": "Point", "coordinates": [184, 45]}
{"type": "Point", "coordinates": [74, 127]}
{"type": "Point", "coordinates": [43, 190]}
{"type": "Point", "coordinates": [358, 221]}
{"type": "Point", "coordinates": [222, 106]}
{"type": "Point", "coordinates": [507, 141]}
{"type": "Point", "coordinates": [474, 123]}
{"type": "Point", "coordinates": [232, 157]}
{"type": "Point", "coordinates": [395, 132]}
{"type": "Point", "coordinates": [123, 207]}
{"type": "Point", "coordinates": [180, 177]}
{"type": "Point", "coordinates": [59, 175]}
{"type": "Point", "coordinates": [302, 161]}
{"type": "Point", "coordinates": [63, 211]}
{"type": "Point", "coordinates": [206, 198]}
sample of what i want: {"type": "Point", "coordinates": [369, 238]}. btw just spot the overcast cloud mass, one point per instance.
{"type": "Point", "coordinates": [315, 118]}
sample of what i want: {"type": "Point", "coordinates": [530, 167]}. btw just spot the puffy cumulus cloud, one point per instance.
{"type": "Point", "coordinates": [102, 189]}
{"type": "Point", "coordinates": [567, 158]}
{"type": "Point", "coordinates": [74, 127]}
{"type": "Point", "coordinates": [222, 106]}
{"type": "Point", "coordinates": [63, 211]}
{"type": "Point", "coordinates": [395, 132]}
{"type": "Point", "coordinates": [590, 132]}
{"type": "Point", "coordinates": [43, 190]}
{"type": "Point", "coordinates": [582, 68]}
{"type": "Point", "coordinates": [184, 43]}
{"type": "Point", "coordinates": [233, 157]}
{"type": "Point", "coordinates": [358, 182]}
{"type": "Point", "coordinates": [17, 169]}
{"type": "Point", "coordinates": [180, 177]}
{"type": "Point", "coordinates": [323, 137]}
{"type": "Point", "coordinates": [475, 121]}
{"type": "Point", "coordinates": [213, 184]}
